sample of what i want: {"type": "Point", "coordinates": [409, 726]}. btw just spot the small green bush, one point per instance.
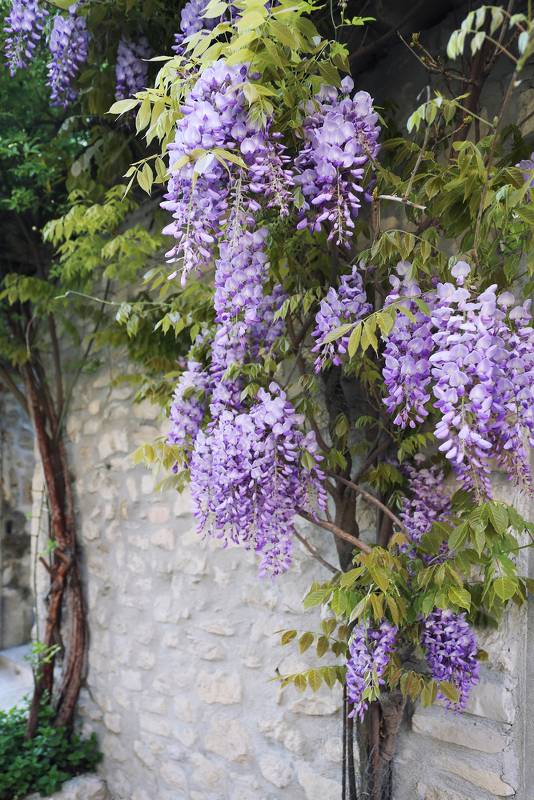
{"type": "Point", "coordinates": [43, 763]}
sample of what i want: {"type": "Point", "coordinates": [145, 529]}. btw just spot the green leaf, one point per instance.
{"type": "Point", "coordinates": [323, 646]}
{"type": "Point", "coordinates": [306, 641]}
{"type": "Point", "coordinates": [288, 637]}
{"type": "Point", "coordinates": [460, 597]}
{"type": "Point", "coordinates": [449, 691]}
{"type": "Point", "coordinates": [314, 679]}
{"type": "Point", "coordinates": [354, 340]}
{"type": "Point", "coordinates": [498, 514]}
{"type": "Point", "coordinates": [458, 536]}
{"type": "Point", "coordinates": [121, 106]}
{"type": "Point", "coordinates": [505, 587]}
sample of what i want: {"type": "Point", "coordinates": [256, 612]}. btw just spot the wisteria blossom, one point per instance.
{"type": "Point", "coordinates": [429, 499]}
{"type": "Point", "coordinates": [409, 345]}
{"type": "Point", "coordinates": [369, 652]}
{"type": "Point", "coordinates": [340, 139]}
{"type": "Point", "coordinates": [451, 653]}
{"type": "Point", "coordinates": [23, 29]}
{"type": "Point", "coordinates": [188, 405]}
{"type": "Point", "coordinates": [131, 71]}
{"type": "Point", "coordinates": [192, 21]}
{"type": "Point", "coordinates": [226, 195]}
{"type": "Point", "coordinates": [340, 306]}
{"type": "Point", "coordinates": [69, 44]}
{"type": "Point", "coordinates": [247, 481]}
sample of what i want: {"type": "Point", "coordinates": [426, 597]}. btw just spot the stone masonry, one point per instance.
{"type": "Point", "coordinates": [184, 649]}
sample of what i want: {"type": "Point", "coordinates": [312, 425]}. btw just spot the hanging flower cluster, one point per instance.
{"type": "Point", "coordinates": [451, 651]}
{"type": "Point", "coordinates": [246, 473]}
{"type": "Point", "coordinates": [406, 370]}
{"type": "Point", "coordinates": [131, 71]}
{"type": "Point", "coordinates": [477, 354]}
{"type": "Point", "coordinates": [23, 30]}
{"type": "Point", "coordinates": [192, 21]}
{"type": "Point", "coordinates": [429, 501]}
{"type": "Point", "coordinates": [204, 199]}
{"type": "Point", "coordinates": [247, 480]}
{"type": "Point", "coordinates": [369, 652]}
{"type": "Point", "coordinates": [340, 138]}
{"type": "Point", "coordinates": [188, 405]}
{"type": "Point", "coordinates": [69, 44]}
{"type": "Point", "coordinates": [346, 304]}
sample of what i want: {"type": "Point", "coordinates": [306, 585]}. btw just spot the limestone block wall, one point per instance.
{"type": "Point", "coordinates": [184, 649]}
{"type": "Point", "coordinates": [16, 469]}
{"type": "Point", "coordinates": [183, 642]}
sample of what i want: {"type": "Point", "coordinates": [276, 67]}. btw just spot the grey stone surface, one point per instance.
{"type": "Point", "coordinates": [84, 787]}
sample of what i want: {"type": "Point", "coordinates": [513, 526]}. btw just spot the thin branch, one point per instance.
{"type": "Point", "coordinates": [56, 357]}
{"type": "Point", "coordinates": [339, 532]}
{"type": "Point", "coordinates": [370, 498]}
{"type": "Point", "coordinates": [403, 200]}
{"type": "Point", "coordinates": [365, 52]}
{"type": "Point", "coordinates": [315, 553]}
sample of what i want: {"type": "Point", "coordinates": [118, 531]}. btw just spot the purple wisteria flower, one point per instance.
{"type": "Point", "coordinates": [369, 652]}
{"type": "Point", "coordinates": [131, 71]}
{"type": "Point", "coordinates": [451, 653]}
{"type": "Point", "coordinates": [192, 21]}
{"type": "Point", "coordinates": [69, 45]}
{"type": "Point", "coordinates": [188, 405]}
{"type": "Point", "coordinates": [209, 198]}
{"type": "Point", "coordinates": [340, 306]}
{"type": "Point", "coordinates": [247, 480]}
{"type": "Point", "coordinates": [409, 345]}
{"type": "Point", "coordinates": [527, 165]}
{"type": "Point", "coordinates": [429, 500]}
{"type": "Point", "coordinates": [23, 30]}
{"type": "Point", "coordinates": [483, 374]}
{"type": "Point", "coordinates": [340, 138]}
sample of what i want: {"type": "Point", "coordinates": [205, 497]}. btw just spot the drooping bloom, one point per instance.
{"type": "Point", "coordinates": [369, 652]}
{"type": "Point", "coordinates": [188, 405]}
{"type": "Point", "coordinates": [69, 45]}
{"type": "Point", "coordinates": [340, 138]}
{"type": "Point", "coordinates": [451, 653]}
{"type": "Point", "coordinates": [212, 198]}
{"type": "Point", "coordinates": [340, 306]}
{"type": "Point", "coordinates": [131, 71]}
{"type": "Point", "coordinates": [527, 165]}
{"type": "Point", "coordinates": [192, 21]}
{"type": "Point", "coordinates": [483, 372]}
{"type": "Point", "coordinates": [23, 30]}
{"type": "Point", "coordinates": [247, 480]}
{"type": "Point", "coordinates": [429, 500]}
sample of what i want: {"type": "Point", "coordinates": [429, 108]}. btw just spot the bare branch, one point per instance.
{"type": "Point", "coordinates": [315, 553]}
{"type": "Point", "coordinates": [371, 499]}
{"type": "Point", "coordinates": [339, 532]}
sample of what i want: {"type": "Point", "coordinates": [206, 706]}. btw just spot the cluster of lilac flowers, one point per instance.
{"type": "Point", "coordinates": [340, 138]}
{"type": "Point", "coordinates": [69, 44]}
{"type": "Point", "coordinates": [131, 71]}
{"type": "Point", "coordinates": [188, 405]}
{"type": "Point", "coordinates": [477, 354]}
{"type": "Point", "coordinates": [406, 370]}
{"type": "Point", "coordinates": [211, 200]}
{"type": "Point", "coordinates": [429, 501]}
{"type": "Point", "coordinates": [247, 481]}
{"type": "Point", "coordinates": [527, 165]}
{"type": "Point", "coordinates": [192, 21]}
{"type": "Point", "coordinates": [451, 653]}
{"type": "Point", "coordinates": [369, 652]}
{"type": "Point", "coordinates": [340, 306]}
{"type": "Point", "coordinates": [23, 29]}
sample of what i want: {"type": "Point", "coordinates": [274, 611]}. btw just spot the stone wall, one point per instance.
{"type": "Point", "coordinates": [16, 469]}
{"type": "Point", "coordinates": [183, 642]}
{"type": "Point", "coordinates": [184, 650]}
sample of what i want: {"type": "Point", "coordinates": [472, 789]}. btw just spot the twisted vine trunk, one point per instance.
{"type": "Point", "coordinates": [65, 593]}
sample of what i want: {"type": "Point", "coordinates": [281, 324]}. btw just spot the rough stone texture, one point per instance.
{"type": "Point", "coordinates": [184, 642]}
{"type": "Point", "coordinates": [85, 787]}
{"type": "Point", "coordinates": [16, 468]}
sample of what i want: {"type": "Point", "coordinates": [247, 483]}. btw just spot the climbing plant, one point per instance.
{"type": "Point", "coordinates": [336, 361]}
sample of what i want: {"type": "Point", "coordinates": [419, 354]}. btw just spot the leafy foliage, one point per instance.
{"type": "Point", "coordinates": [45, 762]}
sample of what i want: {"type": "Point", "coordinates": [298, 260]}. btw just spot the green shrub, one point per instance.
{"type": "Point", "coordinates": [43, 763]}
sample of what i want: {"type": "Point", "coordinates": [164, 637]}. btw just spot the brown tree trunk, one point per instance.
{"type": "Point", "coordinates": [65, 584]}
